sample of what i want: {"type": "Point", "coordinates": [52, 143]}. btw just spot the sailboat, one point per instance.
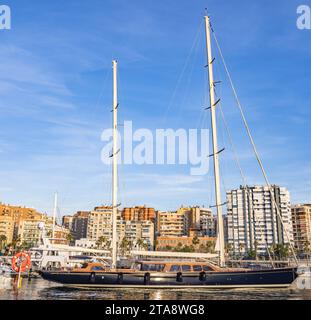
{"type": "Point", "coordinates": [168, 273]}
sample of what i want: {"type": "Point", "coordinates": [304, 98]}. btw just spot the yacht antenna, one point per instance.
{"type": "Point", "coordinates": [54, 215]}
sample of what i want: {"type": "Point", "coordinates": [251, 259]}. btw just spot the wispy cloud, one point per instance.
{"type": "Point", "coordinates": [55, 101]}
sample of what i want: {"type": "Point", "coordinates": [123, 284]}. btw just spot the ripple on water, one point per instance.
{"type": "Point", "coordinates": [39, 289]}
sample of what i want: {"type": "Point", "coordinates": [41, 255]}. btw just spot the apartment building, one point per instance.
{"type": "Point", "coordinates": [22, 224]}
{"type": "Point", "coordinates": [134, 231]}
{"type": "Point", "coordinates": [79, 224]}
{"type": "Point", "coordinates": [100, 225]}
{"type": "Point", "coordinates": [28, 231]}
{"type": "Point", "coordinates": [185, 221]}
{"type": "Point", "coordinates": [207, 222]}
{"type": "Point", "coordinates": [301, 215]}
{"type": "Point", "coordinates": [61, 234]}
{"type": "Point", "coordinates": [253, 221]}
{"type": "Point", "coordinates": [7, 227]}
{"type": "Point", "coordinates": [67, 221]}
{"type": "Point", "coordinates": [138, 213]}
{"type": "Point", "coordinates": [172, 223]}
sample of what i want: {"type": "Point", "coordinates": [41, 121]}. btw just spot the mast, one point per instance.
{"type": "Point", "coordinates": [114, 166]}
{"type": "Point", "coordinates": [54, 215]}
{"type": "Point", "coordinates": [213, 103]}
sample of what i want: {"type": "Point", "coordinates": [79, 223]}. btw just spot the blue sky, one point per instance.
{"type": "Point", "coordinates": [55, 96]}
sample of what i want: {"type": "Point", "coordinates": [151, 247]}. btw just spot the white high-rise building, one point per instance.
{"type": "Point", "coordinates": [253, 221]}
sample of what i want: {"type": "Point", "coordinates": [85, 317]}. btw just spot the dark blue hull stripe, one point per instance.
{"type": "Point", "coordinates": [275, 277]}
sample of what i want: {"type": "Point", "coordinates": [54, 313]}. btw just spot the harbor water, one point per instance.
{"type": "Point", "coordinates": [39, 289]}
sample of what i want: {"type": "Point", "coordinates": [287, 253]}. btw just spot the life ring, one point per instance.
{"type": "Point", "coordinates": [21, 262]}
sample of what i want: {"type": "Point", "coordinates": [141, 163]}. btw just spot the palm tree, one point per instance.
{"type": "Point", "coordinates": [107, 245]}
{"type": "Point", "coordinates": [228, 248]}
{"type": "Point", "coordinates": [195, 241]}
{"type": "Point", "coordinates": [272, 250]}
{"type": "Point", "coordinates": [125, 245]}
{"type": "Point", "coordinates": [101, 242]}
{"type": "Point", "coordinates": [202, 248]}
{"type": "Point", "coordinates": [24, 245]}
{"type": "Point", "coordinates": [179, 247]}
{"type": "Point", "coordinates": [280, 250]}
{"type": "Point", "coordinates": [69, 237]}
{"type": "Point", "coordinates": [306, 248]}
{"type": "Point", "coordinates": [2, 241]}
{"type": "Point", "coordinates": [210, 246]}
{"type": "Point", "coordinates": [145, 246]}
{"type": "Point", "coordinates": [241, 247]}
{"type": "Point", "coordinates": [256, 249]}
{"type": "Point", "coordinates": [140, 243]}
{"type": "Point", "coordinates": [16, 241]}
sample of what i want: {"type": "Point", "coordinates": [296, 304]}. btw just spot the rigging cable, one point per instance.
{"type": "Point", "coordinates": [238, 163]}
{"type": "Point", "coordinates": [275, 205]}
{"type": "Point", "coordinates": [194, 44]}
